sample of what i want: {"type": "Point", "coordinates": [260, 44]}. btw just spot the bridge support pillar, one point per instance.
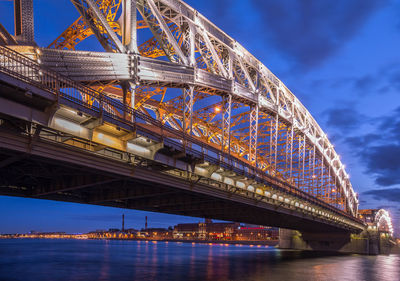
{"type": "Point", "coordinates": [24, 28]}
{"type": "Point", "coordinates": [366, 243]}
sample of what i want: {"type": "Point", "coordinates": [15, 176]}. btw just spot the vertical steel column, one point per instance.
{"type": "Point", "coordinates": [291, 154]}
{"type": "Point", "coordinates": [321, 181]}
{"type": "Point", "coordinates": [128, 90]}
{"type": "Point", "coordinates": [128, 23]}
{"type": "Point", "coordinates": [313, 171]}
{"type": "Point", "coordinates": [192, 46]}
{"type": "Point", "coordinates": [226, 122]}
{"type": "Point", "coordinates": [273, 146]}
{"type": "Point", "coordinates": [338, 193]}
{"type": "Point", "coordinates": [23, 21]}
{"type": "Point", "coordinates": [187, 110]}
{"type": "Point", "coordinates": [129, 39]}
{"type": "Point", "coordinates": [230, 65]}
{"type": "Point", "coordinates": [299, 158]}
{"type": "Point", "coordinates": [330, 184]}
{"type": "Point", "coordinates": [304, 159]}
{"type": "Point", "coordinates": [287, 148]}
{"type": "Point", "coordinates": [309, 170]}
{"type": "Point", "coordinates": [253, 134]}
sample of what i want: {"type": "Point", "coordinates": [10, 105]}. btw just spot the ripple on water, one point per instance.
{"type": "Point", "coordinates": [26, 259]}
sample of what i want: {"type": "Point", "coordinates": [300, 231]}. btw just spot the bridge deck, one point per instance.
{"type": "Point", "coordinates": [84, 167]}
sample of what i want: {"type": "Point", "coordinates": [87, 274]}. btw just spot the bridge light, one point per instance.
{"type": "Point", "coordinates": [217, 109]}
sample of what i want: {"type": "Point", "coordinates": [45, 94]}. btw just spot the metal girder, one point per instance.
{"type": "Point", "coordinates": [151, 129]}
{"type": "Point", "coordinates": [226, 122]}
{"type": "Point", "coordinates": [273, 145]}
{"type": "Point", "coordinates": [129, 90]}
{"type": "Point", "coordinates": [288, 106]}
{"type": "Point", "coordinates": [128, 25]}
{"type": "Point", "coordinates": [289, 153]}
{"type": "Point", "coordinates": [12, 159]}
{"type": "Point", "coordinates": [228, 70]}
{"type": "Point", "coordinates": [161, 31]}
{"type": "Point", "coordinates": [301, 162]}
{"type": "Point", "coordinates": [6, 38]}
{"type": "Point", "coordinates": [164, 27]}
{"type": "Point", "coordinates": [60, 187]}
{"type": "Point", "coordinates": [246, 73]}
{"type": "Point", "coordinates": [188, 109]}
{"type": "Point", "coordinates": [215, 55]}
{"type": "Point", "coordinates": [95, 19]}
{"type": "Point", "coordinates": [253, 134]}
{"type": "Point", "coordinates": [24, 27]}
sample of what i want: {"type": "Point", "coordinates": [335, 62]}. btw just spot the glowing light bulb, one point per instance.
{"type": "Point", "coordinates": [217, 109]}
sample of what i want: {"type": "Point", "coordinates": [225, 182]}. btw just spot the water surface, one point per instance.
{"type": "Point", "coordinates": [31, 259]}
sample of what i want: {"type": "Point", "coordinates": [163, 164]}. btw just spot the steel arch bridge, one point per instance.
{"type": "Point", "coordinates": [166, 62]}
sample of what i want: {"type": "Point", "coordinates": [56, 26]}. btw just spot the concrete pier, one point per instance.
{"type": "Point", "coordinates": [368, 242]}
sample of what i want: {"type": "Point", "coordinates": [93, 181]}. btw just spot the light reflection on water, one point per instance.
{"type": "Point", "coordinates": [135, 260]}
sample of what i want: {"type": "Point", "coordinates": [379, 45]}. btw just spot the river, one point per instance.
{"type": "Point", "coordinates": [36, 259]}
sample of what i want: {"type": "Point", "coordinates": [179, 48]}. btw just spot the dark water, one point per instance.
{"type": "Point", "coordinates": [26, 259]}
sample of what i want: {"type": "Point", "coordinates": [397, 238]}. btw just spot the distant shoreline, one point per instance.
{"type": "Point", "coordinates": [271, 243]}
{"type": "Point", "coordinates": [231, 242]}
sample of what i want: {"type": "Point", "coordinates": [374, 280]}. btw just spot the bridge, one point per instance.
{"type": "Point", "coordinates": [174, 116]}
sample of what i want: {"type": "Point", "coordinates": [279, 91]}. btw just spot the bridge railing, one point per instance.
{"type": "Point", "coordinates": [23, 68]}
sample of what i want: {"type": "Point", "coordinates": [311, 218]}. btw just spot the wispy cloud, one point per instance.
{"type": "Point", "coordinates": [390, 194]}
{"type": "Point", "coordinates": [380, 150]}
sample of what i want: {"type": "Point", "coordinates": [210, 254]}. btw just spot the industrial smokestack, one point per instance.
{"type": "Point", "coordinates": [145, 225]}
{"type": "Point", "coordinates": [123, 223]}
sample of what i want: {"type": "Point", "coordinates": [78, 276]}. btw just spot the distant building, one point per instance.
{"type": "Point", "coordinates": [206, 230]}
{"type": "Point", "coordinates": [156, 233]}
{"type": "Point", "coordinates": [224, 231]}
{"type": "Point", "coordinates": [254, 233]}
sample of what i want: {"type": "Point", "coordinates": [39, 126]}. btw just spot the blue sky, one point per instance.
{"type": "Point", "coordinates": [340, 58]}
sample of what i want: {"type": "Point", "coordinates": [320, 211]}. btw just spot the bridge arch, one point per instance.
{"type": "Point", "coordinates": [383, 221]}
{"type": "Point", "coordinates": [253, 115]}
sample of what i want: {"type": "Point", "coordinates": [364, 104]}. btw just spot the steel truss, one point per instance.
{"type": "Point", "coordinates": [229, 99]}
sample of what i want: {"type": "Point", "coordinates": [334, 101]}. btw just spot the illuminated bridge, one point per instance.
{"type": "Point", "coordinates": [173, 116]}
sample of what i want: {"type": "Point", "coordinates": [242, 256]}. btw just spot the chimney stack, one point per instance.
{"type": "Point", "coordinates": [145, 225]}
{"type": "Point", "coordinates": [123, 223]}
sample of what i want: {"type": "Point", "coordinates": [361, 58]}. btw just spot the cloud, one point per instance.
{"type": "Point", "coordinates": [311, 31]}
{"type": "Point", "coordinates": [390, 194]}
{"type": "Point", "coordinates": [358, 143]}
{"type": "Point", "coordinates": [384, 162]}
{"type": "Point", "coordinates": [379, 151]}
{"type": "Point", "coordinates": [343, 119]}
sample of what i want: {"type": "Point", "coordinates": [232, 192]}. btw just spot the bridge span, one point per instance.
{"type": "Point", "coordinates": [186, 122]}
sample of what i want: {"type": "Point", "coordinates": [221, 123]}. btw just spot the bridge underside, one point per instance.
{"type": "Point", "coordinates": [65, 173]}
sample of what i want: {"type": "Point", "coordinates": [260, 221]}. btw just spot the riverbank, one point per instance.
{"type": "Point", "coordinates": [271, 243]}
